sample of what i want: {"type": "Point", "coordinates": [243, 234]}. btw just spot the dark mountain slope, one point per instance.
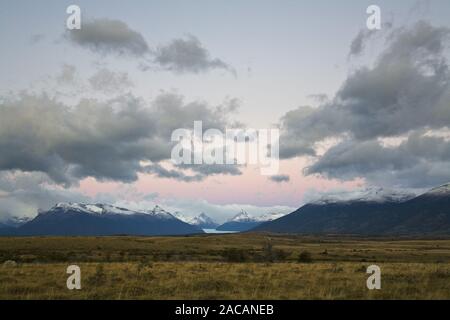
{"type": "Point", "coordinates": [98, 220]}
{"type": "Point", "coordinates": [428, 214]}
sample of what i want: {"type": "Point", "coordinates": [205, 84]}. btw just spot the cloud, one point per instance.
{"type": "Point", "coordinates": [405, 92]}
{"type": "Point", "coordinates": [188, 55]}
{"type": "Point", "coordinates": [416, 162]}
{"type": "Point", "coordinates": [320, 97]}
{"type": "Point", "coordinates": [108, 36]}
{"type": "Point", "coordinates": [359, 42]}
{"type": "Point", "coordinates": [36, 38]}
{"type": "Point", "coordinates": [67, 75]}
{"type": "Point", "coordinates": [162, 172]}
{"type": "Point", "coordinates": [300, 129]}
{"type": "Point", "coordinates": [109, 82]}
{"type": "Point", "coordinates": [280, 178]}
{"type": "Point", "coordinates": [199, 172]}
{"type": "Point", "coordinates": [68, 143]}
{"type": "Point", "coordinates": [107, 140]}
{"type": "Point", "coordinates": [23, 194]}
{"type": "Point", "coordinates": [115, 37]}
{"type": "Point", "coordinates": [420, 9]}
{"type": "Point", "coordinates": [206, 170]}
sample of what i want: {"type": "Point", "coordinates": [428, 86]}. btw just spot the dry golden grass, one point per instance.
{"type": "Point", "coordinates": [211, 280]}
{"type": "Point", "coordinates": [199, 268]}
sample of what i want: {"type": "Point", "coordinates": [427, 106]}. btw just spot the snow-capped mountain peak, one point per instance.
{"type": "Point", "coordinates": [203, 216]}
{"type": "Point", "coordinates": [269, 216]}
{"type": "Point", "coordinates": [440, 191]}
{"type": "Point", "coordinates": [378, 195]}
{"type": "Point", "coordinates": [102, 209]}
{"type": "Point", "coordinates": [180, 216]}
{"type": "Point", "coordinates": [159, 212]}
{"type": "Point", "coordinates": [202, 219]}
{"type": "Point", "coordinates": [66, 206]}
{"type": "Point", "coordinates": [90, 208]}
{"type": "Point", "coordinates": [242, 216]}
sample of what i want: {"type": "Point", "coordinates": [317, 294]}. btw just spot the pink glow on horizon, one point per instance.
{"type": "Point", "coordinates": [249, 188]}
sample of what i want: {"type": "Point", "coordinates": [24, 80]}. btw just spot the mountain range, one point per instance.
{"type": "Point", "coordinates": [375, 212]}
{"type": "Point", "coordinates": [244, 222]}
{"type": "Point", "coordinates": [369, 212]}
{"type": "Point", "coordinates": [75, 219]}
{"type": "Point", "coordinates": [202, 220]}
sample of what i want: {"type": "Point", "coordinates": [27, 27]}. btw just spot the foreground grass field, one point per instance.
{"type": "Point", "coordinates": [250, 266]}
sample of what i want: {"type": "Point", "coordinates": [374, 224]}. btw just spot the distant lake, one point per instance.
{"type": "Point", "coordinates": [218, 231]}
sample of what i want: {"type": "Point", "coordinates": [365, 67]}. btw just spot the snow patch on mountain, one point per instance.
{"type": "Point", "coordinates": [269, 216]}
{"type": "Point", "coordinates": [90, 208]}
{"type": "Point", "coordinates": [159, 212]}
{"type": "Point", "coordinates": [443, 190]}
{"type": "Point", "coordinates": [201, 220]}
{"type": "Point", "coordinates": [244, 216]}
{"type": "Point", "coordinates": [102, 209]}
{"type": "Point", "coordinates": [377, 195]}
{"type": "Point", "coordinates": [180, 216]}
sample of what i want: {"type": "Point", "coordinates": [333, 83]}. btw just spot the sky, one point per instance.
{"type": "Point", "coordinates": [87, 115]}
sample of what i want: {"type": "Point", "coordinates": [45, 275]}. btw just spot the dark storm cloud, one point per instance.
{"type": "Point", "coordinates": [162, 172]}
{"type": "Point", "coordinates": [108, 36]}
{"type": "Point", "coordinates": [199, 171]}
{"type": "Point", "coordinates": [420, 160]}
{"type": "Point", "coordinates": [301, 128]}
{"type": "Point", "coordinates": [188, 55]}
{"type": "Point", "coordinates": [280, 178]}
{"type": "Point", "coordinates": [405, 92]}
{"type": "Point", "coordinates": [359, 42]}
{"type": "Point", "coordinates": [104, 140]}
{"type": "Point", "coordinates": [68, 143]}
{"type": "Point", "coordinates": [182, 55]}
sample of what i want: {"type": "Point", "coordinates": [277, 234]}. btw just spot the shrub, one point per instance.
{"type": "Point", "coordinates": [281, 255]}
{"type": "Point", "coordinates": [305, 257]}
{"type": "Point", "coordinates": [99, 277]}
{"type": "Point", "coordinates": [268, 252]}
{"type": "Point", "coordinates": [234, 255]}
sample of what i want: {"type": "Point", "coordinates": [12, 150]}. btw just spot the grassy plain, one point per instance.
{"type": "Point", "coordinates": [237, 266]}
